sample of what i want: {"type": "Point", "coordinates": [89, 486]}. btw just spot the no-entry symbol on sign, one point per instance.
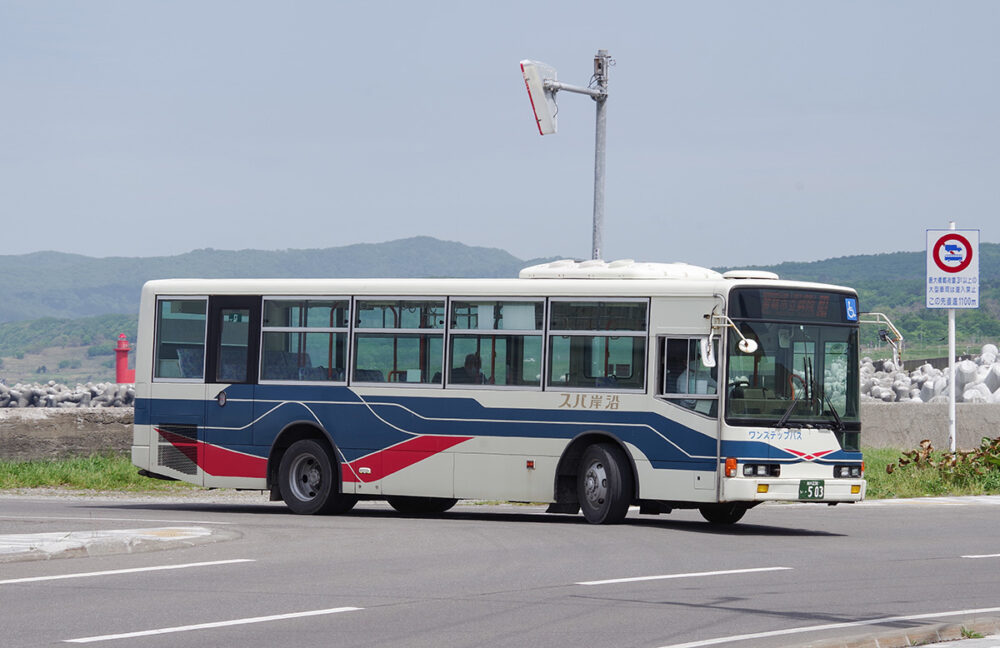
{"type": "Point", "coordinates": [952, 268]}
{"type": "Point", "coordinates": [952, 253]}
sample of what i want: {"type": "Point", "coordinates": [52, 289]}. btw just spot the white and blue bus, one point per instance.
{"type": "Point", "coordinates": [588, 386]}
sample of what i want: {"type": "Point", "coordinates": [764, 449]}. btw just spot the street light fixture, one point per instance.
{"type": "Point", "coordinates": [540, 80]}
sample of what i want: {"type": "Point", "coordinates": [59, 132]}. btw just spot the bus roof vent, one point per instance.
{"type": "Point", "coordinates": [622, 269]}
{"type": "Point", "coordinates": [750, 274]}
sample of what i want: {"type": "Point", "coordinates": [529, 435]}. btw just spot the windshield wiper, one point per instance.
{"type": "Point", "coordinates": [788, 412]}
{"type": "Point", "coordinates": [836, 416]}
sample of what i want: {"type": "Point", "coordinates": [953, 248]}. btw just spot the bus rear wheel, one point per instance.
{"type": "Point", "coordinates": [727, 513]}
{"type": "Point", "coordinates": [306, 479]}
{"type": "Point", "coordinates": [604, 484]}
{"type": "Point", "coordinates": [421, 505]}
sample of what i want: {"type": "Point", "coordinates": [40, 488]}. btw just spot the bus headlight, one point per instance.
{"type": "Point", "coordinates": [761, 470]}
{"type": "Point", "coordinates": [853, 471]}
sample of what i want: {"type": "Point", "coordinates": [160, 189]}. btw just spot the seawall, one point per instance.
{"type": "Point", "coordinates": [56, 433]}
{"type": "Point", "coordinates": [905, 425]}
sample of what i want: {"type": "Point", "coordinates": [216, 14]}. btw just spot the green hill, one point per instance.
{"type": "Point", "coordinates": [53, 284]}
{"type": "Point", "coordinates": [55, 308]}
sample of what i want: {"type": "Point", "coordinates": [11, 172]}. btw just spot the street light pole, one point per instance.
{"type": "Point", "coordinates": [601, 63]}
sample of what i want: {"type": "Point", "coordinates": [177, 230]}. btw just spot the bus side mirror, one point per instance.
{"type": "Point", "coordinates": [748, 346]}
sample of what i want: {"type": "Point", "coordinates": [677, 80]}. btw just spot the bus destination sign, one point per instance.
{"type": "Point", "coordinates": [793, 305]}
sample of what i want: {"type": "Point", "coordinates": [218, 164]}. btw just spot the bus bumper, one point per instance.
{"type": "Point", "coordinates": [743, 489]}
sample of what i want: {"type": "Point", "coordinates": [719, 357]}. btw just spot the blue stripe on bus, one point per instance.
{"type": "Point", "coordinates": [362, 425]}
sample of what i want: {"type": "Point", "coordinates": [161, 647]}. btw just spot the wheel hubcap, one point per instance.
{"type": "Point", "coordinates": [306, 477]}
{"type": "Point", "coordinates": [595, 484]}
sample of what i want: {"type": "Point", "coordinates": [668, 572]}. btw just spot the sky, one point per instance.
{"type": "Point", "coordinates": [740, 132]}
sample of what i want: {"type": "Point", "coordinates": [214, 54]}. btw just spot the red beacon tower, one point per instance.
{"type": "Point", "coordinates": [122, 373]}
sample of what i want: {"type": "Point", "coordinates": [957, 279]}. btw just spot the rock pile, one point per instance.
{"type": "Point", "coordinates": [52, 394]}
{"type": "Point", "coordinates": [976, 381]}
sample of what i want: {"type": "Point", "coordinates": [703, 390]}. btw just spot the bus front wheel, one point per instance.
{"type": "Point", "coordinates": [604, 484]}
{"type": "Point", "coordinates": [306, 479]}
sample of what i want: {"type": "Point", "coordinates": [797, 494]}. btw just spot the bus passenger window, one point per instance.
{"type": "Point", "coordinates": [399, 341]}
{"type": "Point", "coordinates": [305, 339]}
{"type": "Point", "coordinates": [597, 344]}
{"type": "Point", "coordinates": [497, 343]}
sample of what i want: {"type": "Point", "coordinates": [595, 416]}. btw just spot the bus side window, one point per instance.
{"type": "Point", "coordinates": [597, 344]}
{"type": "Point", "coordinates": [676, 358]}
{"type": "Point", "coordinates": [305, 339]}
{"type": "Point", "coordinates": [686, 381]}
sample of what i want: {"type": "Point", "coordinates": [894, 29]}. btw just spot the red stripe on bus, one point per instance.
{"type": "Point", "coordinates": [221, 462]}
{"type": "Point", "coordinates": [216, 460]}
{"type": "Point", "coordinates": [402, 455]}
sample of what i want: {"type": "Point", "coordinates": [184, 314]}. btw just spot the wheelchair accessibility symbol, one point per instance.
{"type": "Point", "coordinates": [851, 306]}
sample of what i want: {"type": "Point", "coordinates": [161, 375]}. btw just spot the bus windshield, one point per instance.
{"type": "Point", "coordinates": [801, 375]}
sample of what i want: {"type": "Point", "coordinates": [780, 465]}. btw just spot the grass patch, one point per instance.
{"type": "Point", "coordinates": [934, 477]}
{"type": "Point", "coordinates": [96, 472]}
{"type": "Point", "coordinates": [109, 472]}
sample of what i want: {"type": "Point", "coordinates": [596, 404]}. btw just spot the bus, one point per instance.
{"type": "Point", "coordinates": [589, 386]}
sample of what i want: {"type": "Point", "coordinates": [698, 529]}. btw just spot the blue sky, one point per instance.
{"type": "Point", "coordinates": [738, 132]}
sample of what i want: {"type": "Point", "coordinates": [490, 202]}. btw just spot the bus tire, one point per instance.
{"type": "Point", "coordinates": [727, 513]}
{"type": "Point", "coordinates": [604, 484]}
{"type": "Point", "coordinates": [306, 480]}
{"type": "Point", "coordinates": [420, 505]}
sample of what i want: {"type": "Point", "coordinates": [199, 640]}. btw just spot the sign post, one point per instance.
{"type": "Point", "coordinates": [952, 282]}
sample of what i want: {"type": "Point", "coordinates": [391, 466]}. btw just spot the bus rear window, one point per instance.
{"type": "Point", "coordinates": [180, 339]}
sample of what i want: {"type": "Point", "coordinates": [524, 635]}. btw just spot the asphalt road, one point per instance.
{"type": "Point", "coordinates": [787, 575]}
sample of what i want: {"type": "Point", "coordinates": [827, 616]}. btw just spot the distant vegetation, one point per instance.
{"type": "Point", "coordinates": [70, 308]}
{"type": "Point", "coordinates": [20, 338]}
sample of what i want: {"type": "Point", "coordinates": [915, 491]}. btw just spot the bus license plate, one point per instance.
{"type": "Point", "coordinates": [811, 489]}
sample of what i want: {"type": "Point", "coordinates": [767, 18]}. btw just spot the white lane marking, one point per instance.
{"type": "Point", "coordinates": [114, 572]}
{"type": "Point", "coordinates": [217, 624]}
{"type": "Point", "coordinates": [829, 626]}
{"type": "Point", "coordinates": [109, 519]}
{"type": "Point", "coordinates": [691, 575]}
{"type": "Point", "coordinates": [983, 556]}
